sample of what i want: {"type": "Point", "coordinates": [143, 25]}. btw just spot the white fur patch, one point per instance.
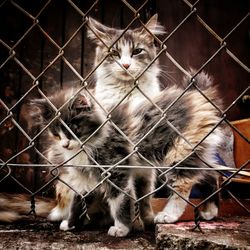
{"type": "Point", "coordinates": [64, 226]}
{"type": "Point", "coordinates": [210, 212]}
{"type": "Point", "coordinates": [58, 214]}
{"type": "Point", "coordinates": [109, 90]}
{"type": "Point", "coordinates": [118, 231]}
{"type": "Point", "coordinates": [164, 217]}
{"type": "Point", "coordinates": [114, 204]}
{"type": "Point", "coordinates": [173, 210]}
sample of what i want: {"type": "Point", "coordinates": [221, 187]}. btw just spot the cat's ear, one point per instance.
{"type": "Point", "coordinates": [98, 32]}
{"type": "Point", "coordinates": [154, 27]}
{"type": "Point", "coordinates": [40, 111]}
{"type": "Point", "coordinates": [80, 103]}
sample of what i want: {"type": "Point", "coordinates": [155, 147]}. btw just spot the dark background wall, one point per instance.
{"type": "Point", "coordinates": [37, 45]}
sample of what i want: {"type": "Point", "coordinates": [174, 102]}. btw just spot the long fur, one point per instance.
{"type": "Point", "coordinates": [192, 116]}
{"type": "Point", "coordinates": [178, 130]}
{"type": "Point", "coordinates": [15, 207]}
{"type": "Point", "coordinates": [117, 75]}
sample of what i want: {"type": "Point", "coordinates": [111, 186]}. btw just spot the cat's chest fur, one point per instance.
{"type": "Point", "coordinates": [111, 91]}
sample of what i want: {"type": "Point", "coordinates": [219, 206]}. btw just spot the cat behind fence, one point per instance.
{"type": "Point", "coordinates": [192, 116]}
{"type": "Point", "coordinates": [164, 135]}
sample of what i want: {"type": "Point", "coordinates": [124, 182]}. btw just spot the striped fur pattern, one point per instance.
{"type": "Point", "coordinates": [83, 118]}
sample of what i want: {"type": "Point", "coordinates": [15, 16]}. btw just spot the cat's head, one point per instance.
{"type": "Point", "coordinates": [133, 51]}
{"type": "Point", "coordinates": [77, 118]}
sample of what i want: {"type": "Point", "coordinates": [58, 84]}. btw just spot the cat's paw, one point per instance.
{"type": "Point", "coordinates": [64, 226]}
{"type": "Point", "coordinates": [210, 212]}
{"type": "Point", "coordinates": [164, 217]}
{"type": "Point", "coordinates": [55, 215]}
{"type": "Point", "coordinates": [149, 220]}
{"type": "Point", "coordinates": [121, 231]}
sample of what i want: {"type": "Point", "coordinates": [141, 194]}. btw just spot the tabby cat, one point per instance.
{"type": "Point", "coordinates": [125, 60]}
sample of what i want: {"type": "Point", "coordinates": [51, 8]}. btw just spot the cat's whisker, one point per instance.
{"type": "Point", "coordinates": [167, 76]}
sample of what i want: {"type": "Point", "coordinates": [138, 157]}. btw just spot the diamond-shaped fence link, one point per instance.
{"type": "Point", "coordinates": [43, 47]}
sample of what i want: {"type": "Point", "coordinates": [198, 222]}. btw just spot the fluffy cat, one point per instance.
{"type": "Point", "coordinates": [125, 59]}
{"type": "Point", "coordinates": [192, 116]}
{"type": "Point", "coordinates": [84, 119]}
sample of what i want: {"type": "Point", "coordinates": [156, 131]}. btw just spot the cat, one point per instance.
{"type": "Point", "coordinates": [125, 60]}
{"type": "Point", "coordinates": [193, 116]}
{"type": "Point", "coordinates": [184, 125]}
{"type": "Point", "coordinates": [133, 51]}
{"type": "Point", "coordinates": [83, 119]}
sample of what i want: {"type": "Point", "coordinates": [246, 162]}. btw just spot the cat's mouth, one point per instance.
{"type": "Point", "coordinates": [69, 148]}
{"type": "Point", "coordinates": [128, 75]}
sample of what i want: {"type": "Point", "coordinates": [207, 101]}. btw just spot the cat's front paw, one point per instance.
{"type": "Point", "coordinates": [210, 212]}
{"type": "Point", "coordinates": [149, 220]}
{"type": "Point", "coordinates": [121, 231]}
{"type": "Point", "coordinates": [55, 215]}
{"type": "Point", "coordinates": [64, 226]}
{"type": "Point", "coordinates": [164, 217]}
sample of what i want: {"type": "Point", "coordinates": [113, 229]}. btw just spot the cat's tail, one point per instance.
{"type": "Point", "coordinates": [205, 84]}
{"type": "Point", "coordinates": [14, 207]}
{"type": "Point", "coordinates": [202, 80]}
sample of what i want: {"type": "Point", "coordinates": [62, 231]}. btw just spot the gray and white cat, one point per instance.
{"type": "Point", "coordinates": [192, 116]}
{"type": "Point", "coordinates": [125, 60]}
{"type": "Point", "coordinates": [106, 146]}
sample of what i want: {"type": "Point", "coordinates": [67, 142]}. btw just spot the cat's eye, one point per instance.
{"type": "Point", "coordinates": [137, 51]}
{"type": "Point", "coordinates": [114, 53]}
{"type": "Point", "coordinates": [57, 136]}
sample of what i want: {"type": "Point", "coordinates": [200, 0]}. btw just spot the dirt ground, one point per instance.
{"type": "Point", "coordinates": [44, 235]}
{"type": "Point", "coordinates": [220, 234]}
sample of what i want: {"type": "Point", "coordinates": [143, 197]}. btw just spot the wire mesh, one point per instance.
{"type": "Point", "coordinates": [40, 77]}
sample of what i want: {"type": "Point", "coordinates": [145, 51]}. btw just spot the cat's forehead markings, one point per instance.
{"type": "Point", "coordinates": [124, 44]}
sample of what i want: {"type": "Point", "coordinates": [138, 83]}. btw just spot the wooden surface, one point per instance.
{"type": "Point", "coordinates": [241, 145]}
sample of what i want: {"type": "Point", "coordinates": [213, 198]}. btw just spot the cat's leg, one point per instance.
{"type": "Point", "coordinates": [176, 205]}
{"type": "Point", "coordinates": [120, 208]}
{"type": "Point", "coordinates": [64, 196]}
{"type": "Point", "coordinates": [209, 211]}
{"type": "Point", "coordinates": [74, 214]}
{"type": "Point", "coordinates": [144, 185]}
{"type": "Point", "coordinates": [208, 187]}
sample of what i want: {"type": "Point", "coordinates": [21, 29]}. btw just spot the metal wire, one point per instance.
{"type": "Point", "coordinates": [10, 111]}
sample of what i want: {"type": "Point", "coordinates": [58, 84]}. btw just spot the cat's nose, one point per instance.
{"type": "Point", "coordinates": [126, 65]}
{"type": "Point", "coordinates": [65, 143]}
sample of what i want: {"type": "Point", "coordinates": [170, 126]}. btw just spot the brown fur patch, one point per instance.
{"type": "Point", "coordinates": [63, 195]}
{"type": "Point", "coordinates": [184, 185]}
{"type": "Point", "coordinates": [203, 119]}
{"type": "Point", "coordinates": [16, 206]}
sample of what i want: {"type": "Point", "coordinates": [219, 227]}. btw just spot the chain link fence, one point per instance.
{"type": "Point", "coordinates": [44, 47]}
